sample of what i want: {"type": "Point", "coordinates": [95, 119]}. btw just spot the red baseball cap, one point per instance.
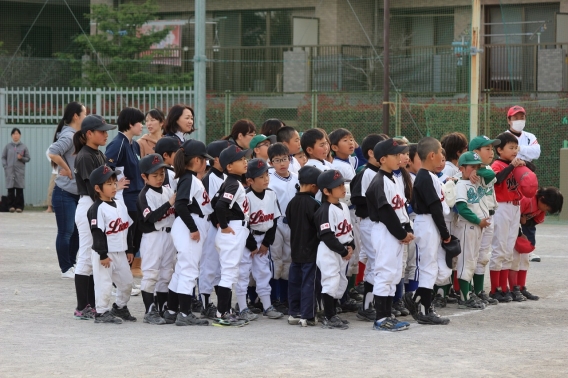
{"type": "Point", "coordinates": [514, 110]}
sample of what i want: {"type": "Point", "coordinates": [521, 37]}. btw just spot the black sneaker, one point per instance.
{"type": "Point", "coordinates": [411, 306]}
{"type": "Point", "coordinates": [122, 313]}
{"type": "Point", "coordinates": [508, 296]}
{"type": "Point", "coordinates": [453, 296]}
{"type": "Point", "coordinates": [528, 295]}
{"type": "Point", "coordinates": [209, 312]}
{"type": "Point", "coordinates": [256, 307]}
{"type": "Point", "coordinates": [432, 318]}
{"type": "Point", "coordinates": [500, 296]}
{"type": "Point", "coordinates": [153, 317]}
{"type": "Point", "coordinates": [439, 301]}
{"type": "Point", "coordinates": [350, 305]}
{"type": "Point", "coordinates": [517, 295]}
{"type": "Point", "coordinates": [107, 317]}
{"type": "Point", "coordinates": [486, 298]}
{"type": "Point", "coordinates": [471, 304]}
{"type": "Point", "coordinates": [399, 306]}
{"type": "Point", "coordinates": [367, 315]}
{"type": "Point", "coordinates": [281, 307]}
{"type": "Point", "coordinates": [190, 320]}
{"type": "Point", "coordinates": [196, 305]}
{"type": "Point", "coordinates": [334, 323]}
{"type": "Point", "coordinates": [354, 294]}
{"type": "Point", "coordinates": [169, 317]}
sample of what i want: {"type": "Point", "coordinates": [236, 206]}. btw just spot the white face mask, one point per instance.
{"type": "Point", "coordinates": [519, 125]}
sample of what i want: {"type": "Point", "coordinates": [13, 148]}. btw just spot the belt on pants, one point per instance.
{"type": "Point", "coordinates": [255, 232]}
{"type": "Point", "coordinates": [167, 229]}
{"type": "Point", "coordinates": [243, 222]}
{"type": "Point", "coordinates": [284, 220]}
{"type": "Point", "coordinates": [515, 202]}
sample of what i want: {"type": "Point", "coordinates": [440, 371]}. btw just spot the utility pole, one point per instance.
{"type": "Point", "coordinates": [386, 63]}
{"type": "Point", "coordinates": [475, 69]}
{"type": "Point", "coordinates": [199, 62]}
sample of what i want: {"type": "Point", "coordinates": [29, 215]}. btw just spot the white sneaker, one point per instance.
{"type": "Point", "coordinates": [534, 257]}
{"type": "Point", "coordinates": [134, 292]}
{"type": "Point", "coordinates": [70, 274]}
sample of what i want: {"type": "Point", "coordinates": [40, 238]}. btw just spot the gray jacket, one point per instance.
{"type": "Point", "coordinates": [63, 147]}
{"type": "Point", "coordinates": [14, 168]}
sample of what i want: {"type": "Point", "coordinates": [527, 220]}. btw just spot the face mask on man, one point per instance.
{"type": "Point", "coordinates": [518, 125]}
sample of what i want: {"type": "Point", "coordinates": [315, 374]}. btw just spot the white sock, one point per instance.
{"type": "Point", "coordinates": [368, 299]}
{"type": "Point", "coordinates": [171, 312]}
{"type": "Point", "coordinates": [440, 292]}
{"type": "Point", "coordinates": [242, 301]}
{"type": "Point", "coordinates": [381, 320]}
{"type": "Point", "coordinates": [266, 303]}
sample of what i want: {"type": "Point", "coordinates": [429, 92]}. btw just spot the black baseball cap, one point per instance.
{"type": "Point", "coordinates": [95, 122]}
{"type": "Point", "coordinates": [100, 175]}
{"type": "Point", "coordinates": [214, 148]}
{"type": "Point", "coordinates": [231, 154]}
{"type": "Point", "coordinates": [194, 147]}
{"type": "Point", "coordinates": [151, 163]}
{"type": "Point", "coordinates": [388, 147]}
{"type": "Point", "coordinates": [331, 179]}
{"type": "Point", "coordinates": [256, 168]}
{"type": "Point", "coordinates": [308, 174]}
{"type": "Point", "coordinates": [167, 144]}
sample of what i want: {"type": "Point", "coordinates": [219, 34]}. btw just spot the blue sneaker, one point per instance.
{"type": "Point", "coordinates": [390, 324]}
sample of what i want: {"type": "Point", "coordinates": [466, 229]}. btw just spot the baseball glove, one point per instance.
{"type": "Point", "coordinates": [523, 245]}
{"type": "Point", "coordinates": [452, 248]}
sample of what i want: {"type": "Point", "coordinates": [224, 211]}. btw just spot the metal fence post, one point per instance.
{"type": "Point", "coordinates": [99, 102]}
{"type": "Point", "coordinates": [2, 106]}
{"type": "Point", "coordinates": [227, 112]}
{"type": "Point", "coordinates": [398, 114]}
{"type": "Point", "coordinates": [314, 109]}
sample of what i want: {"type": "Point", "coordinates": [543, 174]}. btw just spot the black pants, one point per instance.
{"type": "Point", "coordinates": [16, 198]}
{"type": "Point", "coordinates": [134, 233]}
{"type": "Point", "coordinates": [303, 285]}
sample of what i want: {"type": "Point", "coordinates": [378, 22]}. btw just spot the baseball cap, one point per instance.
{"type": "Point", "coordinates": [482, 141]}
{"type": "Point", "coordinates": [100, 175]}
{"type": "Point", "coordinates": [388, 147]}
{"type": "Point", "coordinates": [469, 158]}
{"type": "Point", "coordinates": [167, 144]}
{"type": "Point", "coordinates": [151, 163]}
{"type": "Point", "coordinates": [214, 148]}
{"type": "Point", "coordinates": [95, 122]}
{"type": "Point", "coordinates": [330, 179]}
{"type": "Point", "coordinates": [231, 154]}
{"type": "Point", "coordinates": [259, 138]}
{"type": "Point", "coordinates": [194, 147]}
{"type": "Point", "coordinates": [256, 168]}
{"type": "Point", "coordinates": [308, 174]}
{"type": "Point", "coordinates": [514, 110]}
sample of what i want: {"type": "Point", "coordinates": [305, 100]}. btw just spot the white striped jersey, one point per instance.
{"type": "Point", "coordinates": [322, 165]}
{"type": "Point", "coordinates": [284, 187]}
{"type": "Point", "coordinates": [112, 218]}
{"type": "Point", "coordinates": [191, 188]}
{"type": "Point", "coordinates": [263, 210]}
{"type": "Point", "coordinates": [335, 218]}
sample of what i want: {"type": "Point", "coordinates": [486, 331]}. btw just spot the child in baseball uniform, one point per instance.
{"type": "Point", "coordinates": [335, 232]}
{"type": "Point", "coordinates": [285, 184]}
{"type": "Point", "coordinates": [506, 219]}
{"type": "Point", "coordinates": [473, 218]}
{"type": "Point", "coordinates": [315, 145]}
{"type": "Point", "coordinates": [209, 267]}
{"type": "Point", "coordinates": [259, 145]}
{"type": "Point", "coordinates": [189, 231]}
{"type": "Point", "coordinates": [232, 215]}
{"type": "Point", "coordinates": [264, 213]}
{"type": "Point", "coordinates": [304, 275]}
{"type": "Point", "coordinates": [483, 146]}
{"type": "Point", "coordinates": [167, 147]}
{"type": "Point", "coordinates": [410, 274]}
{"type": "Point", "coordinates": [391, 231]}
{"type": "Point", "coordinates": [93, 134]}
{"type": "Point", "coordinates": [533, 210]}
{"type": "Point", "coordinates": [156, 213]}
{"type": "Point", "coordinates": [359, 186]}
{"type": "Point", "coordinates": [289, 137]}
{"type": "Point", "coordinates": [430, 231]}
{"type": "Point", "coordinates": [110, 255]}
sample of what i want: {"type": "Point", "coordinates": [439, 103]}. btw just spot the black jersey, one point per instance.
{"type": "Point", "coordinates": [88, 159]}
{"type": "Point", "coordinates": [154, 209]}
{"type": "Point", "coordinates": [427, 198]}
{"type": "Point", "coordinates": [300, 215]}
{"type": "Point", "coordinates": [231, 202]}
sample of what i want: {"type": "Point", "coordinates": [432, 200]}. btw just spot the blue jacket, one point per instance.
{"type": "Point", "coordinates": [124, 155]}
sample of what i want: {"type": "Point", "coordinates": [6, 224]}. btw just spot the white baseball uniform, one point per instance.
{"type": "Point", "coordinates": [367, 251]}
{"type": "Point", "coordinates": [109, 226]}
{"type": "Point", "coordinates": [322, 165]}
{"type": "Point", "coordinates": [529, 149]}
{"type": "Point", "coordinates": [171, 181]}
{"type": "Point", "coordinates": [411, 259]}
{"type": "Point", "coordinates": [487, 232]}
{"type": "Point", "coordinates": [294, 165]}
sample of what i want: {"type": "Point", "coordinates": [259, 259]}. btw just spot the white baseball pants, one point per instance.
{"type": "Point", "coordinates": [470, 241]}
{"type": "Point", "coordinates": [432, 268]}
{"type": "Point", "coordinates": [189, 252]}
{"type": "Point", "coordinates": [507, 219]}
{"type": "Point", "coordinates": [354, 261]}
{"type": "Point", "coordinates": [485, 247]}
{"type": "Point", "coordinates": [209, 267]}
{"type": "Point", "coordinates": [521, 261]}
{"type": "Point", "coordinates": [410, 272]}
{"type": "Point", "coordinates": [388, 261]}
{"type": "Point", "coordinates": [158, 259]}
{"type": "Point", "coordinates": [259, 266]}
{"type": "Point", "coordinates": [333, 268]}
{"type": "Point", "coordinates": [366, 231]}
{"type": "Point", "coordinates": [230, 249]}
{"type": "Point", "coordinates": [84, 264]}
{"type": "Point", "coordinates": [119, 273]}
{"type": "Point", "coordinates": [281, 252]}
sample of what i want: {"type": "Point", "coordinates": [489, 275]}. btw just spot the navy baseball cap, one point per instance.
{"type": "Point", "coordinates": [331, 179]}
{"type": "Point", "coordinates": [151, 163]}
{"type": "Point", "coordinates": [167, 144]}
{"type": "Point", "coordinates": [216, 147]}
{"type": "Point", "coordinates": [388, 147]}
{"type": "Point", "coordinates": [194, 147]}
{"type": "Point", "coordinates": [95, 122]}
{"type": "Point", "coordinates": [100, 175]}
{"type": "Point", "coordinates": [256, 168]}
{"type": "Point", "coordinates": [308, 174]}
{"type": "Point", "coordinates": [231, 154]}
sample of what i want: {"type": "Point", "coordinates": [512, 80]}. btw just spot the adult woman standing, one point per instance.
{"type": "Point", "coordinates": [154, 124]}
{"type": "Point", "coordinates": [14, 159]}
{"type": "Point", "coordinates": [241, 134]}
{"type": "Point", "coordinates": [179, 122]}
{"type": "Point", "coordinates": [65, 195]}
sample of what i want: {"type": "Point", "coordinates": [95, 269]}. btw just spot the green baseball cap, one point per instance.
{"type": "Point", "coordinates": [482, 141]}
{"type": "Point", "coordinates": [256, 140]}
{"type": "Point", "coordinates": [469, 158]}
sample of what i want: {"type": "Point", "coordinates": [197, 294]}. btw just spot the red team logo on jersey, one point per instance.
{"type": "Point", "coordinates": [397, 202]}
{"type": "Point", "coordinates": [117, 226]}
{"type": "Point", "coordinates": [246, 206]}
{"type": "Point", "coordinates": [512, 184]}
{"type": "Point", "coordinates": [343, 228]}
{"type": "Point", "coordinates": [206, 199]}
{"type": "Point", "coordinates": [171, 211]}
{"type": "Point", "coordinates": [259, 217]}
{"type": "Point", "coordinates": [442, 193]}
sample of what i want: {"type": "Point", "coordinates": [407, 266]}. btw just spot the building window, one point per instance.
{"type": "Point", "coordinates": [255, 28]}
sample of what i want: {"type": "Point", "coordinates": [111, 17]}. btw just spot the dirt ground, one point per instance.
{"type": "Point", "coordinates": [39, 336]}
